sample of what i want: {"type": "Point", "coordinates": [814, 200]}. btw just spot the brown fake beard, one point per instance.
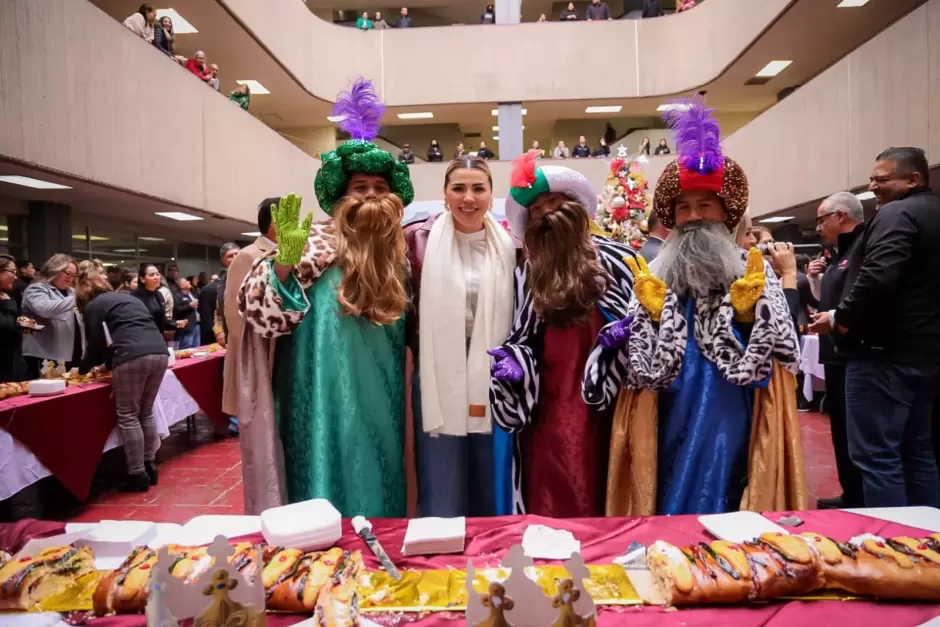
{"type": "Point", "coordinates": [565, 278]}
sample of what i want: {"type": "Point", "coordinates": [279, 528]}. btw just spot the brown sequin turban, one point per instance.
{"type": "Point", "coordinates": [731, 187]}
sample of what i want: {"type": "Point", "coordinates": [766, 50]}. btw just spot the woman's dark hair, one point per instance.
{"type": "Point", "coordinates": [264, 213]}
{"type": "Point", "coordinates": [469, 162]}
{"type": "Point", "coordinates": [145, 9]}
{"type": "Point", "coordinates": [142, 269]}
{"type": "Point", "coordinates": [203, 279]}
{"type": "Point", "coordinates": [127, 275]}
{"type": "Point", "coordinates": [22, 263]}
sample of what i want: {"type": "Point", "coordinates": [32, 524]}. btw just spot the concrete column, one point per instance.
{"type": "Point", "coordinates": [510, 131]}
{"type": "Point", "coordinates": [508, 11]}
{"type": "Point", "coordinates": [49, 230]}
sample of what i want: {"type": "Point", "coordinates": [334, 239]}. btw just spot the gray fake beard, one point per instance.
{"type": "Point", "coordinates": [699, 259]}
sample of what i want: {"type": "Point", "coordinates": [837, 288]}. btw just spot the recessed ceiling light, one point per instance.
{"type": "Point", "coordinates": [151, 239]}
{"type": "Point", "coordinates": [180, 25]}
{"type": "Point", "coordinates": [27, 181]}
{"type": "Point", "coordinates": [496, 128]}
{"type": "Point", "coordinates": [673, 106]}
{"type": "Point", "coordinates": [422, 115]}
{"type": "Point", "coordinates": [775, 219]}
{"type": "Point", "coordinates": [604, 109]}
{"type": "Point", "coordinates": [3, 227]}
{"type": "Point", "coordinates": [252, 234]}
{"type": "Point", "coordinates": [94, 238]}
{"type": "Point", "coordinates": [847, 4]}
{"type": "Point", "coordinates": [495, 112]}
{"type": "Point", "coordinates": [866, 195]}
{"type": "Point", "coordinates": [129, 250]}
{"type": "Point", "coordinates": [335, 118]}
{"type": "Point", "coordinates": [178, 216]}
{"type": "Point", "coordinates": [773, 68]}
{"type": "Point", "coordinates": [256, 88]}
{"type": "Point", "coordinates": [496, 138]}
{"type": "Point", "coordinates": [4, 239]}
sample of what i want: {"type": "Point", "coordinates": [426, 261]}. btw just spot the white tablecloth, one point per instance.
{"type": "Point", "coordinates": [815, 375]}
{"type": "Point", "coordinates": [19, 468]}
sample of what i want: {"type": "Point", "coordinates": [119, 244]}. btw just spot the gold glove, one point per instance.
{"type": "Point", "coordinates": [746, 290]}
{"type": "Point", "coordinates": [649, 290]}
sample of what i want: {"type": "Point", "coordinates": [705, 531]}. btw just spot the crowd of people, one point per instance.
{"type": "Point", "coordinates": [597, 10]}
{"type": "Point", "coordinates": [159, 31]}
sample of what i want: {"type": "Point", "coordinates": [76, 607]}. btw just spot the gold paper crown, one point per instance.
{"type": "Point", "coordinates": [520, 602]}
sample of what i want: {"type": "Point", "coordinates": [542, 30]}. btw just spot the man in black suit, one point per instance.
{"type": "Point", "coordinates": [207, 300]}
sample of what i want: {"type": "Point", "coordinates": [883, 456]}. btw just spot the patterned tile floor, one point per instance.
{"type": "Point", "coordinates": [199, 475]}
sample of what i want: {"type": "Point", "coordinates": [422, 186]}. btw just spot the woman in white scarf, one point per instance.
{"type": "Point", "coordinates": [462, 267]}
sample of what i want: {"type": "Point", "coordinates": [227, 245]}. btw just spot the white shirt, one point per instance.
{"type": "Point", "coordinates": [472, 247]}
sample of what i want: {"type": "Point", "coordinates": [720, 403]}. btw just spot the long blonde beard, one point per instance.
{"type": "Point", "coordinates": [370, 249]}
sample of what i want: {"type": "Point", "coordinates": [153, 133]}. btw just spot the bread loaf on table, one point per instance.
{"type": "Point", "coordinates": [26, 581]}
{"type": "Point", "coordinates": [294, 581]}
{"type": "Point", "coordinates": [898, 568]}
{"type": "Point", "coordinates": [779, 565]}
{"type": "Point", "coordinates": [723, 572]}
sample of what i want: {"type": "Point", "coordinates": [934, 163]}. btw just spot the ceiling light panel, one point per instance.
{"type": "Point", "coordinates": [252, 234]}
{"type": "Point", "coordinates": [866, 195]}
{"type": "Point", "coordinates": [27, 181]}
{"type": "Point", "coordinates": [180, 25]}
{"type": "Point", "coordinates": [773, 68]}
{"type": "Point", "coordinates": [179, 216]}
{"type": "Point", "coordinates": [775, 219]}
{"type": "Point", "coordinates": [851, 4]}
{"type": "Point", "coordinates": [256, 88]}
{"type": "Point", "coordinates": [421, 115]}
{"type": "Point", "coordinates": [604, 109]}
{"type": "Point", "coordinates": [673, 106]}
{"type": "Point", "coordinates": [495, 112]}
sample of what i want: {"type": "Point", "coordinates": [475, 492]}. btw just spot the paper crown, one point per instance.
{"type": "Point", "coordinates": [220, 597]}
{"type": "Point", "coordinates": [700, 164]}
{"type": "Point", "coordinates": [518, 601]}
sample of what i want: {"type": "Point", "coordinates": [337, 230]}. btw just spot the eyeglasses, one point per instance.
{"type": "Point", "coordinates": [822, 218]}
{"type": "Point", "coordinates": [11, 271]}
{"type": "Point", "coordinates": [882, 179]}
{"type": "Point", "coordinates": [71, 274]}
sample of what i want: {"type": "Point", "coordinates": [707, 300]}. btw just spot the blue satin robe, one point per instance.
{"type": "Point", "coordinates": [704, 433]}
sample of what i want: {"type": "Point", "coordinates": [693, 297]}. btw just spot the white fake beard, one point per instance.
{"type": "Point", "coordinates": [698, 259]}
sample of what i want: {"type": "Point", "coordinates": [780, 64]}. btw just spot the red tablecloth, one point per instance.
{"type": "Point", "coordinates": [67, 432]}
{"type": "Point", "coordinates": [603, 539]}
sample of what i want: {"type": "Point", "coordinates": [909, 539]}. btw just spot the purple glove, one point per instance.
{"type": "Point", "coordinates": [506, 368]}
{"type": "Point", "coordinates": [616, 335]}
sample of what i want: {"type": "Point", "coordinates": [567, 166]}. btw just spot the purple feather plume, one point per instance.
{"type": "Point", "coordinates": [698, 137]}
{"type": "Point", "coordinates": [360, 110]}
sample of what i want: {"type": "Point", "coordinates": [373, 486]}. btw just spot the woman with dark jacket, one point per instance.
{"type": "Point", "coordinates": [603, 150]}
{"type": "Point", "coordinates": [12, 368]}
{"type": "Point", "coordinates": [121, 337]}
{"type": "Point", "coordinates": [184, 312]}
{"type": "Point", "coordinates": [163, 36]}
{"type": "Point", "coordinates": [488, 16]}
{"type": "Point", "coordinates": [148, 291]}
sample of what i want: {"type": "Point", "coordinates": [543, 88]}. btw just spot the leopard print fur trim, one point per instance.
{"type": "Point", "coordinates": [259, 303]}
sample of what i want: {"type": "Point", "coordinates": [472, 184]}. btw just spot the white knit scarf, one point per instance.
{"type": "Point", "coordinates": [450, 384]}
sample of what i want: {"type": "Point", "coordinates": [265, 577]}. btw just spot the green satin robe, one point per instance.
{"type": "Point", "coordinates": [339, 391]}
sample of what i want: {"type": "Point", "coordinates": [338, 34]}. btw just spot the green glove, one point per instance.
{"type": "Point", "coordinates": [291, 234]}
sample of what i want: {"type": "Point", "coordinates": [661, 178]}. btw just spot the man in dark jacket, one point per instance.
{"type": "Point", "coordinates": [653, 8]}
{"type": "Point", "coordinates": [404, 21]}
{"type": "Point", "coordinates": [597, 10]}
{"type": "Point", "coordinates": [406, 156]}
{"type": "Point", "coordinates": [839, 222]}
{"type": "Point", "coordinates": [208, 296]}
{"type": "Point", "coordinates": [582, 150]}
{"type": "Point", "coordinates": [485, 153]}
{"type": "Point", "coordinates": [26, 272]}
{"type": "Point", "coordinates": [890, 315]}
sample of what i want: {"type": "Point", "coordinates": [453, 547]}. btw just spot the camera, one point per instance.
{"type": "Point", "coordinates": [806, 249]}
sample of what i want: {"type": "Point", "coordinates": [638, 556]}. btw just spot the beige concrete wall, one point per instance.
{"type": "Point", "coordinates": [825, 136]}
{"type": "Point", "coordinates": [472, 64]}
{"type": "Point", "coordinates": [313, 140]}
{"type": "Point", "coordinates": [106, 109]}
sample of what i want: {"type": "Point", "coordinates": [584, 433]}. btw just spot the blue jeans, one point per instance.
{"type": "Point", "coordinates": [188, 338]}
{"type": "Point", "coordinates": [889, 421]}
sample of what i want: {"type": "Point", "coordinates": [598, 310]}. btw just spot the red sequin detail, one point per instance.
{"type": "Point", "coordinates": [880, 545]}
{"type": "Point", "coordinates": [145, 567]}
{"type": "Point", "coordinates": [734, 548]}
{"type": "Point", "coordinates": [818, 539]}
{"type": "Point", "coordinates": [329, 563]}
{"type": "Point", "coordinates": [282, 558]}
{"type": "Point", "coordinates": [921, 547]}
{"type": "Point", "coordinates": [26, 559]}
{"type": "Point", "coordinates": [779, 535]}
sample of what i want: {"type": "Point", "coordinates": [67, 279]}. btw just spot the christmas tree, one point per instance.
{"type": "Point", "coordinates": [624, 203]}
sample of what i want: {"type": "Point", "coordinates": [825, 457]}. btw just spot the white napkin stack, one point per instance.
{"type": "Point", "coordinates": [543, 542]}
{"type": "Point", "coordinates": [433, 536]}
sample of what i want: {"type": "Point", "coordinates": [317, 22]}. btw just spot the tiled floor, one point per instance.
{"type": "Point", "coordinates": [201, 476]}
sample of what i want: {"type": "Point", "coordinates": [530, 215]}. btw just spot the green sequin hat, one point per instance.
{"type": "Point", "coordinates": [360, 113]}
